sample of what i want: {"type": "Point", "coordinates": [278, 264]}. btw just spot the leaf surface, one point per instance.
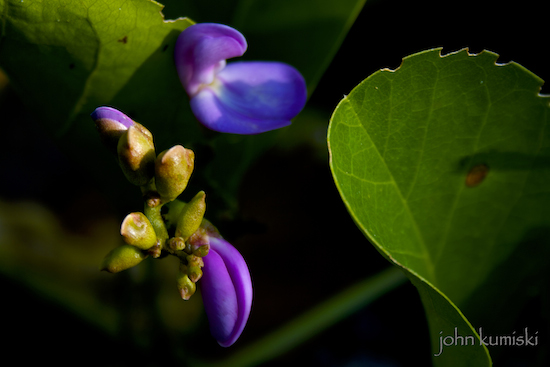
{"type": "Point", "coordinates": [67, 57]}
{"type": "Point", "coordinates": [444, 164]}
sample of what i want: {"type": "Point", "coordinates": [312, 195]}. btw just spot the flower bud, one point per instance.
{"type": "Point", "coordinates": [226, 289]}
{"type": "Point", "coordinates": [155, 251]}
{"type": "Point", "coordinates": [191, 216]}
{"type": "Point", "coordinates": [122, 258]}
{"type": "Point", "coordinates": [137, 230]}
{"type": "Point", "coordinates": [176, 243]}
{"type": "Point", "coordinates": [185, 286]}
{"type": "Point", "coordinates": [194, 265]}
{"type": "Point", "coordinates": [173, 167]}
{"type": "Point", "coordinates": [136, 155]}
{"type": "Point", "coordinates": [110, 124]}
{"type": "Point", "coordinates": [199, 241]}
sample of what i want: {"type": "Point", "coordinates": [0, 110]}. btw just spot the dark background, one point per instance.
{"type": "Point", "coordinates": [313, 235]}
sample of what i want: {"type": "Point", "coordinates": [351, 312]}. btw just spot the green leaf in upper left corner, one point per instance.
{"type": "Point", "coordinates": [68, 57]}
{"type": "Point", "coordinates": [65, 58]}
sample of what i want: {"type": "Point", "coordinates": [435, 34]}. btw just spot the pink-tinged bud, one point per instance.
{"type": "Point", "coordinates": [199, 241]}
{"type": "Point", "coordinates": [226, 290]}
{"type": "Point", "coordinates": [173, 168]}
{"type": "Point", "coordinates": [137, 230]}
{"type": "Point", "coordinates": [194, 266]}
{"type": "Point", "coordinates": [176, 243]}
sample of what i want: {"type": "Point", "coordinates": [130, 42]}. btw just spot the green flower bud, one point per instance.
{"type": "Point", "coordinates": [176, 243]}
{"type": "Point", "coordinates": [144, 131]}
{"type": "Point", "coordinates": [173, 167]}
{"type": "Point", "coordinates": [122, 258]}
{"type": "Point", "coordinates": [185, 286]}
{"type": "Point", "coordinates": [191, 216]}
{"type": "Point", "coordinates": [136, 230]}
{"type": "Point", "coordinates": [136, 155]}
{"type": "Point", "coordinates": [194, 267]}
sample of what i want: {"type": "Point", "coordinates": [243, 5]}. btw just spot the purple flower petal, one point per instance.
{"type": "Point", "coordinates": [112, 116]}
{"type": "Point", "coordinates": [219, 297]}
{"type": "Point", "coordinates": [251, 98]}
{"type": "Point", "coordinates": [111, 124]}
{"type": "Point", "coordinates": [201, 51]}
{"type": "Point", "coordinates": [226, 289]}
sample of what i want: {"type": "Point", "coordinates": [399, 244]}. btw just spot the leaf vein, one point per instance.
{"type": "Point", "coordinates": [426, 255]}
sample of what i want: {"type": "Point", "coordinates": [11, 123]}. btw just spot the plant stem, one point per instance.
{"type": "Point", "coordinates": [314, 321]}
{"type": "Point", "coordinates": [155, 217]}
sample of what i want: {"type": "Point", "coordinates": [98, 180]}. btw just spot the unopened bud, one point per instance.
{"type": "Point", "coordinates": [155, 251]}
{"type": "Point", "coordinates": [199, 242]}
{"type": "Point", "coordinates": [136, 155]}
{"type": "Point", "coordinates": [173, 167]}
{"type": "Point", "coordinates": [202, 251]}
{"type": "Point", "coordinates": [191, 216]}
{"type": "Point", "coordinates": [176, 243]}
{"type": "Point", "coordinates": [111, 124]}
{"type": "Point", "coordinates": [185, 286]}
{"type": "Point", "coordinates": [194, 267]}
{"type": "Point", "coordinates": [122, 258]}
{"type": "Point", "coordinates": [137, 230]}
{"type": "Point", "coordinates": [152, 199]}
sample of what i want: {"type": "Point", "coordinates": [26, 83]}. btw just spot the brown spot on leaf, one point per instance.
{"type": "Point", "coordinates": [476, 175]}
{"type": "Point", "coordinates": [165, 48]}
{"type": "Point", "coordinates": [123, 39]}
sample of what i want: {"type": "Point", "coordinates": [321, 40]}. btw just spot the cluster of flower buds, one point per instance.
{"type": "Point", "coordinates": [183, 232]}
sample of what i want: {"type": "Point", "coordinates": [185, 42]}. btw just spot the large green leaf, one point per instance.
{"type": "Point", "coordinates": [444, 164]}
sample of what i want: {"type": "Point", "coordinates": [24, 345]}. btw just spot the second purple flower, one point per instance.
{"type": "Point", "coordinates": [247, 97]}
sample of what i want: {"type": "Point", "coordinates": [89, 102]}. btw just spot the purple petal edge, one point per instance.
{"type": "Point", "coordinates": [111, 114]}
{"type": "Point", "coordinates": [201, 51]}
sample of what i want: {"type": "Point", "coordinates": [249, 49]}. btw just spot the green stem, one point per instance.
{"type": "Point", "coordinates": [314, 321]}
{"type": "Point", "coordinates": [155, 217]}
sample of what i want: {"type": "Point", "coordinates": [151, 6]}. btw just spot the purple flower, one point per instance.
{"type": "Point", "coordinates": [226, 290]}
{"type": "Point", "coordinates": [247, 97]}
